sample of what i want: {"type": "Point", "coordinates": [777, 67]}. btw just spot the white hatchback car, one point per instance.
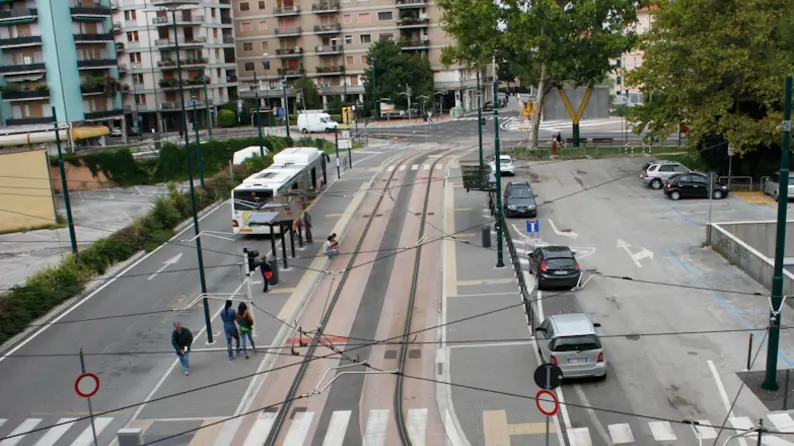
{"type": "Point", "coordinates": [505, 166]}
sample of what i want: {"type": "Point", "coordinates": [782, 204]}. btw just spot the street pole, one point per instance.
{"type": "Point", "coordinates": [209, 115]}
{"type": "Point", "coordinates": [196, 231]}
{"type": "Point", "coordinates": [770, 381]}
{"type": "Point", "coordinates": [259, 116]}
{"type": "Point", "coordinates": [336, 144]}
{"type": "Point", "coordinates": [497, 162]}
{"type": "Point", "coordinates": [730, 165]}
{"type": "Point", "coordinates": [286, 105]}
{"type": "Point", "coordinates": [479, 117]}
{"type": "Point", "coordinates": [711, 198]}
{"type": "Point", "coordinates": [198, 144]}
{"type": "Point", "coordinates": [64, 185]}
{"type": "Point", "coordinates": [374, 98]}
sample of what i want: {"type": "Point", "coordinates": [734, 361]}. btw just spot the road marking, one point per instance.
{"type": "Point", "coordinates": [403, 167]}
{"type": "Point", "coordinates": [528, 429]}
{"type": "Point", "coordinates": [511, 293]}
{"type": "Point", "coordinates": [723, 394]}
{"type": "Point", "coordinates": [27, 425]}
{"type": "Point", "coordinates": [466, 235]}
{"type": "Point", "coordinates": [662, 431]}
{"type": "Point", "coordinates": [494, 423]}
{"type": "Point", "coordinates": [463, 209]}
{"type": "Point", "coordinates": [485, 282]}
{"type": "Point", "coordinates": [55, 433]}
{"type": "Point", "coordinates": [591, 414]}
{"type": "Point", "coordinates": [391, 168]}
{"type": "Point", "coordinates": [87, 437]}
{"type": "Point", "coordinates": [570, 234]}
{"type": "Point", "coordinates": [375, 432]}
{"type": "Point", "coordinates": [335, 434]}
{"type": "Point", "coordinates": [427, 167]}
{"type": "Point", "coordinates": [206, 435]}
{"type": "Point", "coordinates": [621, 433]}
{"type": "Point", "coordinates": [579, 436]}
{"type": "Point", "coordinates": [281, 291]}
{"type": "Point", "coordinates": [415, 167]}
{"type": "Point", "coordinates": [706, 431]}
{"type": "Point", "coordinates": [417, 426]}
{"type": "Point", "coordinates": [782, 421]}
{"type": "Point", "coordinates": [261, 429]}
{"type": "Point", "coordinates": [438, 166]}
{"type": "Point", "coordinates": [635, 257]}
{"type": "Point", "coordinates": [333, 215]}
{"type": "Point", "coordinates": [298, 429]}
{"type": "Point", "coordinates": [172, 261]}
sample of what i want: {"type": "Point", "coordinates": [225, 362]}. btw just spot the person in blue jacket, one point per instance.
{"type": "Point", "coordinates": [229, 318]}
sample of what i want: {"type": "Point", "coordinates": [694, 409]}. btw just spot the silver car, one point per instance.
{"type": "Point", "coordinates": [570, 342]}
{"type": "Point", "coordinates": [656, 175]}
{"type": "Point", "coordinates": [771, 186]}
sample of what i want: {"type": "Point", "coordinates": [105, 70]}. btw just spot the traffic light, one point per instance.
{"type": "Point", "coordinates": [253, 261]}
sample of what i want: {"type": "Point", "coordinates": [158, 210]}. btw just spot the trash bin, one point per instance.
{"type": "Point", "coordinates": [274, 268]}
{"type": "Point", "coordinates": [486, 236]}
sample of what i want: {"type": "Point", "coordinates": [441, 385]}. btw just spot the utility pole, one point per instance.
{"type": "Point", "coordinates": [374, 98]}
{"type": "Point", "coordinates": [770, 381]}
{"type": "Point", "coordinates": [479, 117]}
{"type": "Point", "coordinates": [64, 185]}
{"type": "Point", "coordinates": [209, 114]}
{"type": "Point", "coordinates": [286, 104]}
{"type": "Point", "coordinates": [259, 115]}
{"type": "Point", "coordinates": [497, 162]}
{"type": "Point", "coordinates": [198, 143]}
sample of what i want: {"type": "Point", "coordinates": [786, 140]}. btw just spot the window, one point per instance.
{"type": "Point", "coordinates": [130, 15]}
{"type": "Point", "coordinates": [364, 60]}
{"type": "Point", "coordinates": [619, 63]}
{"type": "Point", "coordinates": [248, 46]}
{"type": "Point", "coordinates": [132, 36]}
{"type": "Point", "coordinates": [262, 25]}
{"type": "Point", "coordinates": [619, 80]}
{"type": "Point", "coordinates": [140, 99]}
{"type": "Point", "coordinates": [385, 15]}
{"type": "Point", "coordinates": [245, 27]}
{"type": "Point", "coordinates": [135, 58]}
{"type": "Point", "coordinates": [347, 19]}
{"type": "Point", "coordinates": [213, 13]}
{"type": "Point", "coordinates": [348, 40]}
{"type": "Point", "coordinates": [264, 45]}
{"type": "Point", "coordinates": [261, 5]}
{"type": "Point", "coordinates": [215, 32]}
{"type": "Point", "coordinates": [349, 60]}
{"type": "Point", "coordinates": [244, 6]}
{"type": "Point", "coordinates": [386, 36]}
{"type": "Point", "coordinates": [363, 17]}
{"type": "Point", "coordinates": [137, 78]}
{"type": "Point", "coordinates": [249, 66]}
{"type": "Point", "coordinates": [366, 38]}
{"type": "Point", "coordinates": [666, 168]}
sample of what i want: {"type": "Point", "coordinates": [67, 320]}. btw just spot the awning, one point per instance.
{"type": "Point", "coordinates": [263, 219]}
{"type": "Point", "coordinates": [80, 133]}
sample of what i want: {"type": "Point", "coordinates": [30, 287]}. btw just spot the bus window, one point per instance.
{"type": "Point", "coordinates": [251, 199]}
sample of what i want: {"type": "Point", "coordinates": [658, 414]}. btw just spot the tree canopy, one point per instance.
{"type": "Point", "coordinates": [720, 65]}
{"type": "Point", "coordinates": [309, 93]}
{"type": "Point", "coordinates": [394, 69]}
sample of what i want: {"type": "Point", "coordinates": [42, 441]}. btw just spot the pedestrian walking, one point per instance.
{"type": "Point", "coordinates": [267, 272]}
{"type": "Point", "coordinates": [307, 224]}
{"type": "Point", "coordinates": [229, 318]}
{"type": "Point", "coordinates": [181, 339]}
{"type": "Point", "coordinates": [246, 323]}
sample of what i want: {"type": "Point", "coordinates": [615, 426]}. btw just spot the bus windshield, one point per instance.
{"type": "Point", "coordinates": [251, 199]}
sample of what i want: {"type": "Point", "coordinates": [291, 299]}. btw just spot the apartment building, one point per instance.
{"type": "Point", "coordinates": [150, 36]}
{"type": "Point", "coordinates": [623, 93]}
{"type": "Point", "coordinates": [61, 55]}
{"type": "Point", "coordinates": [327, 41]}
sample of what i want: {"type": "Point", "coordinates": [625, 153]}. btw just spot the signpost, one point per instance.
{"type": "Point", "coordinates": [86, 386]}
{"type": "Point", "coordinates": [547, 377]}
{"type": "Point", "coordinates": [533, 229]}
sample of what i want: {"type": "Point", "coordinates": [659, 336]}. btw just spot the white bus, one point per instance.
{"type": "Point", "coordinates": [293, 169]}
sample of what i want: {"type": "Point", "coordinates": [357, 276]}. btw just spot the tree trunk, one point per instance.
{"type": "Point", "coordinates": [538, 107]}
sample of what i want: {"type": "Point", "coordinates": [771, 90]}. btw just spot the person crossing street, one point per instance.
{"type": "Point", "coordinates": [181, 339]}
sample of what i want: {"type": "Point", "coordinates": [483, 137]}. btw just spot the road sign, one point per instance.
{"type": "Point", "coordinates": [533, 226]}
{"type": "Point", "coordinates": [344, 144]}
{"type": "Point", "coordinates": [552, 398]}
{"type": "Point", "coordinates": [86, 385]}
{"type": "Point", "coordinates": [548, 376]}
{"type": "Point", "coordinates": [730, 150]}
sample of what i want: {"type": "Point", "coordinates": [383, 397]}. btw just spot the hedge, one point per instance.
{"type": "Point", "coordinates": [51, 286]}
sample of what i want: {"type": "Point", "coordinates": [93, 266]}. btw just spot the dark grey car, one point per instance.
{"type": "Point", "coordinates": [519, 200]}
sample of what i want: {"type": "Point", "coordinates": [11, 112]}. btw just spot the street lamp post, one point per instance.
{"type": "Point", "coordinates": [209, 114]}
{"type": "Point", "coordinates": [198, 143]}
{"type": "Point", "coordinates": [479, 117]}
{"type": "Point", "coordinates": [258, 114]}
{"type": "Point", "coordinates": [374, 98]}
{"type": "Point", "coordinates": [286, 104]}
{"type": "Point", "coordinates": [64, 184]}
{"type": "Point", "coordinates": [497, 162]}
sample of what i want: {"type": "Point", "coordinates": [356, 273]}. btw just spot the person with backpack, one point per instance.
{"type": "Point", "coordinates": [246, 323]}
{"type": "Point", "coordinates": [229, 318]}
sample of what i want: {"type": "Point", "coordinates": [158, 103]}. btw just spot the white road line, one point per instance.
{"type": "Point", "coordinates": [402, 167]}
{"type": "Point", "coordinates": [621, 433]}
{"type": "Point", "coordinates": [743, 423]}
{"type": "Point", "coordinates": [438, 166]}
{"type": "Point", "coordinates": [261, 429]}
{"type": "Point", "coordinates": [26, 425]}
{"type": "Point", "coordinates": [375, 432]}
{"type": "Point", "coordinates": [591, 414]}
{"type": "Point", "coordinates": [298, 429]}
{"type": "Point", "coordinates": [427, 167]}
{"type": "Point", "coordinates": [391, 168]}
{"type": "Point", "coordinates": [782, 421]}
{"type": "Point", "coordinates": [723, 395]}
{"type": "Point", "coordinates": [55, 433]}
{"type": "Point", "coordinates": [579, 436]}
{"type": "Point", "coordinates": [335, 434]}
{"type": "Point", "coordinates": [87, 437]}
{"type": "Point", "coordinates": [662, 431]}
{"type": "Point", "coordinates": [706, 431]}
{"type": "Point", "coordinates": [415, 167]}
{"type": "Point", "coordinates": [417, 426]}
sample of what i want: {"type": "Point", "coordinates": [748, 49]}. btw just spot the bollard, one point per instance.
{"type": "Point", "coordinates": [130, 437]}
{"type": "Point", "coordinates": [274, 268]}
{"type": "Point", "coordinates": [300, 236]}
{"type": "Point", "coordinates": [785, 394]}
{"type": "Point", "coordinates": [749, 350]}
{"type": "Point", "coordinates": [486, 236]}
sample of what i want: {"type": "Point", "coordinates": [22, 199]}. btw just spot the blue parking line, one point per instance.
{"type": "Point", "coordinates": [762, 209]}
{"type": "Point", "coordinates": [725, 304]}
{"type": "Point", "coordinates": [664, 202]}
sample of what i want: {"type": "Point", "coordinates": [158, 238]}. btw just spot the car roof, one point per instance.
{"type": "Point", "coordinates": [519, 184]}
{"type": "Point", "coordinates": [557, 251]}
{"type": "Point", "coordinates": [572, 324]}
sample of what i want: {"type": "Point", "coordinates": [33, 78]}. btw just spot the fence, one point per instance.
{"type": "Point", "coordinates": [738, 182]}
{"type": "Point", "coordinates": [526, 294]}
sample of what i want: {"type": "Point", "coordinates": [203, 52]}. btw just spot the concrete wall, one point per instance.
{"type": "Point", "coordinates": [26, 198]}
{"type": "Point", "coordinates": [761, 235]}
{"type": "Point", "coordinates": [79, 178]}
{"type": "Point", "coordinates": [597, 106]}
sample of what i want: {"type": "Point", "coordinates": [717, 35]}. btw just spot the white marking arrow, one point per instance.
{"type": "Point", "coordinates": [172, 261]}
{"type": "Point", "coordinates": [572, 235]}
{"type": "Point", "coordinates": [644, 253]}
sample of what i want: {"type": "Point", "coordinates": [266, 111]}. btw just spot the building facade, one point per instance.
{"type": "Point", "coordinates": [152, 37]}
{"type": "Point", "coordinates": [624, 94]}
{"type": "Point", "coordinates": [327, 41]}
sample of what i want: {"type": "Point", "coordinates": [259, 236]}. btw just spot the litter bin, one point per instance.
{"type": "Point", "coordinates": [486, 236]}
{"type": "Point", "coordinates": [274, 268]}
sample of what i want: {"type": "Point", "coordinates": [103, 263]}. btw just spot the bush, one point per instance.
{"type": "Point", "coordinates": [227, 118]}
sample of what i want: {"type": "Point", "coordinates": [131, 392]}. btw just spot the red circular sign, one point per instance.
{"type": "Point", "coordinates": [552, 412]}
{"type": "Point", "coordinates": [85, 379]}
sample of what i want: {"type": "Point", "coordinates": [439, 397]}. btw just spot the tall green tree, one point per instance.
{"type": "Point", "coordinates": [309, 93]}
{"type": "Point", "coordinates": [394, 70]}
{"type": "Point", "coordinates": [548, 43]}
{"type": "Point", "coordinates": [720, 65]}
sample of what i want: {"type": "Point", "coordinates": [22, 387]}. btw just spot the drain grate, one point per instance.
{"type": "Point", "coordinates": [390, 354]}
{"type": "Point", "coordinates": [296, 411]}
{"type": "Point", "coordinates": [414, 354]}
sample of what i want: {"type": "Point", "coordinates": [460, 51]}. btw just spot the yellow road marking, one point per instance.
{"type": "Point", "coordinates": [281, 291]}
{"type": "Point", "coordinates": [495, 428]}
{"type": "Point", "coordinates": [468, 234]}
{"type": "Point", "coordinates": [529, 428]}
{"type": "Point", "coordinates": [463, 209]}
{"type": "Point", "coordinates": [333, 215]}
{"type": "Point", "coordinates": [755, 197]}
{"type": "Point", "coordinates": [450, 257]}
{"type": "Point", "coordinates": [470, 282]}
{"type": "Point", "coordinates": [206, 435]}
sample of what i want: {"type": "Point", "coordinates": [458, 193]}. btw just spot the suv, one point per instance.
{"type": "Point", "coordinates": [693, 185]}
{"type": "Point", "coordinates": [657, 174]}
{"type": "Point", "coordinates": [771, 186]}
{"type": "Point", "coordinates": [554, 265]}
{"type": "Point", "coordinates": [519, 200]}
{"type": "Point", "coordinates": [505, 166]}
{"type": "Point", "coordinates": [570, 342]}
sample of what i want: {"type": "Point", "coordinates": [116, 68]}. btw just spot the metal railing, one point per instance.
{"type": "Point", "coordinates": [740, 182]}
{"type": "Point", "coordinates": [288, 30]}
{"type": "Point", "coordinates": [526, 295]}
{"type": "Point", "coordinates": [14, 13]}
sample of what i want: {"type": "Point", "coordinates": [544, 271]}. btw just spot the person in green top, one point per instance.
{"type": "Point", "coordinates": [246, 323]}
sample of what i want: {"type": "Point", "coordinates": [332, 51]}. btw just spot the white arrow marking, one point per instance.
{"type": "Point", "coordinates": [572, 235]}
{"type": "Point", "coordinates": [644, 253]}
{"type": "Point", "coordinates": [172, 261]}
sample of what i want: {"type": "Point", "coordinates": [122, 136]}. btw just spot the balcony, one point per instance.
{"type": "Point", "coordinates": [171, 63]}
{"type": "Point", "coordinates": [20, 41]}
{"type": "Point", "coordinates": [286, 11]}
{"type": "Point", "coordinates": [330, 51]}
{"type": "Point", "coordinates": [401, 4]}
{"type": "Point", "coordinates": [169, 106]}
{"type": "Point", "coordinates": [122, 68]}
{"type": "Point", "coordinates": [167, 84]}
{"type": "Point", "coordinates": [18, 15]}
{"type": "Point", "coordinates": [40, 92]}
{"type": "Point", "coordinates": [231, 78]}
{"type": "Point", "coordinates": [414, 44]}
{"type": "Point", "coordinates": [94, 89]}
{"type": "Point", "coordinates": [287, 53]}
{"type": "Point", "coordinates": [29, 121]}
{"type": "Point", "coordinates": [90, 11]}
{"type": "Point", "coordinates": [291, 72]}
{"type": "Point", "coordinates": [325, 7]}
{"type": "Point", "coordinates": [189, 21]}
{"type": "Point", "coordinates": [119, 47]}
{"type": "Point", "coordinates": [23, 68]}
{"type": "Point", "coordinates": [91, 38]}
{"type": "Point", "coordinates": [106, 114]}
{"type": "Point", "coordinates": [97, 63]}
{"type": "Point", "coordinates": [413, 22]}
{"type": "Point", "coordinates": [289, 31]}
{"type": "Point", "coordinates": [333, 28]}
{"type": "Point", "coordinates": [227, 38]}
{"type": "Point", "coordinates": [173, 2]}
{"type": "Point", "coordinates": [171, 43]}
{"type": "Point", "coordinates": [330, 70]}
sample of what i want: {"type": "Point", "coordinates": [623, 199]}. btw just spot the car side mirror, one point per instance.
{"type": "Point", "coordinates": [539, 329]}
{"type": "Point", "coordinates": [596, 324]}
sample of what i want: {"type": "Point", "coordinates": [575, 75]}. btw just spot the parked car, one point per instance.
{"type": "Point", "coordinates": [694, 185]}
{"type": "Point", "coordinates": [771, 185]}
{"type": "Point", "coordinates": [657, 174]}
{"type": "Point", "coordinates": [570, 342]}
{"type": "Point", "coordinates": [115, 131]}
{"type": "Point", "coordinates": [505, 166]}
{"type": "Point", "coordinates": [554, 266]}
{"type": "Point", "coordinates": [519, 200]}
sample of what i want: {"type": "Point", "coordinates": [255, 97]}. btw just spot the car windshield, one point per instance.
{"type": "Point", "coordinates": [520, 192]}
{"type": "Point", "coordinates": [576, 343]}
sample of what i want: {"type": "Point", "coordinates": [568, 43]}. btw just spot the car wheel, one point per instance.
{"type": "Point", "coordinates": [305, 131]}
{"type": "Point", "coordinates": [656, 183]}
{"type": "Point", "coordinates": [328, 131]}
{"type": "Point", "coordinates": [717, 194]}
{"type": "Point", "coordinates": [675, 195]}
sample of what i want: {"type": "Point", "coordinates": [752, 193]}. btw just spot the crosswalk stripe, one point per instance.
{"type": "Point", "coordinates": [87, 437]}
{"type": "Point", "coordinates": [56, 432]}
{"type": "Point", "coordinates": [427, 166]}
{"type": "Point", "coordinates": [706, 431]}
{"type": "Point", "coordinates": [415, 167]}
{"type": "Point", "coordinates": [621, 433]}
{"type": "Point", "coordinates": [438, 166]}
{"type": "Point", "coordinates": [743, 423]}
{"type": "Point", "coordinates": [261, 429]}
{"type": "Point", "coordinates": [580, 436]}
{"type": "Point", "coordinates": [417, 426]}
{"type": "Point", "coordinates": [782, 421]}
{"type": "Point", "coordinates": [402, 167]}
{"type": "Point", "coordinates": [335, 435]}
{"type": "Point", "coordinates": [375, 432]}
{"type": "Point", "coordinates": [391, 168]}
{"type": "Point", "coordinates": [26, 425]}
{"type": "Point", "coordinates": [662, 431]}
{"type": "Point", "coordinates": [298, 429]}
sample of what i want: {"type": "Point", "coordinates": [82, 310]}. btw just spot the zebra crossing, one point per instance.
{"type": "Point", "coordinates": [474, 118]}
{"type": "Point", "coordinates": [65, 431]}
{"type": "Point", "coordinates": [415, 167]}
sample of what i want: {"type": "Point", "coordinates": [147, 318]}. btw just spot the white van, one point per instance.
{"type": "Point", "coordinates": [316, 122]}
{"type": "Point", "coordinates": [241, 155]}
